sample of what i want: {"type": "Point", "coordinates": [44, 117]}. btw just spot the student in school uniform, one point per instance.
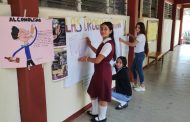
{"type": "Point", "coordinates": [140, 48]}
{"type": "Point", "coordinates": [99, 89]}
{"type": "Point", "coordinates": [122, 92]}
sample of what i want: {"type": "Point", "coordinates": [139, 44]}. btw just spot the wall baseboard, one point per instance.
{"type": "Point", "coordinates": [78, 113]}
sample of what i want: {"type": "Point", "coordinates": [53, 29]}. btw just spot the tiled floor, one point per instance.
{"type": "Point", "coordinates": [167, 96]}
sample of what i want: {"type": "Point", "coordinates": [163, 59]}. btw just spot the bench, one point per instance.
{"type": "Point", "coordinates": [156, 56]}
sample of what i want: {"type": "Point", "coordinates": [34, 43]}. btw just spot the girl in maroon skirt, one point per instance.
{"type": "Point", "coordinates": [99, 89]}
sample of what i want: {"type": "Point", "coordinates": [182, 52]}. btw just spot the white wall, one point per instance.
{"type": "Point", "coordinates": [64, 102]}
{"type": "Point", "coordinates": [177, 27]}
{"type": "Point", "coordinates": [5, 9]}
{"type": "Point", "coordinates": [9, 101]}
{"type": "Point", "coordinates": [166, 35]}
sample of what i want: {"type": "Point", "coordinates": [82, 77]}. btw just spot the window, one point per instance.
{"type": "Point", "coordinates": [150, 8]}
{"type": "Point", "coordinates": [65, 4]}
{"type": "Point", "coordinates": [168, 10]}
{"type": "Point", "coordinates": [146, 8]}
{"type": "Point", "coordinates": [118, 6]}
{"type": "Point", "coordinates": [94, 5]}
{"type": "Point", "coordinates": [154, 8]}
{"type": "Point", "coordinates": [102, 6]}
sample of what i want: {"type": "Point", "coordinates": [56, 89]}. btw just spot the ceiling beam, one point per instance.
{"type": "Point", "coordinates": [182, 1]}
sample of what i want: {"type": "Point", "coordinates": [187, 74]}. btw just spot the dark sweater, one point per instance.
{"type": "Point", "coordinates": [123, 85]}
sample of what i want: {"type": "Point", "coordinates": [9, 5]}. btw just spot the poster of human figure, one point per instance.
{"type": "Point", "coordinates": [25, 42]}
{"type": "Point", "coordinates": [59, 36]}
{"type": "Point", "coordinates": [59, 65]}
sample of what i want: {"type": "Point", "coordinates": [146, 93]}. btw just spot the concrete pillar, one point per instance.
{"type": "Point", "coordinates": [133, 13]}
{"type": "Point", "coordinates": [160, 24]}
{"type": "Point", "coordinates": [181, 23]}
{"type": "Point", "coordinates": [173, 26]}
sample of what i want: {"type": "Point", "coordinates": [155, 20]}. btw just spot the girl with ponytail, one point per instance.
{"type": "Point", "coordinates": [99, 89]}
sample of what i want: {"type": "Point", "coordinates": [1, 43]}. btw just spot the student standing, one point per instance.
{"type": "Point", "coordinates": [122, 92]}
{"type": "Point", "coordinates": [99, 89]}
{"type": "Point", "coordinates": [140, 48]}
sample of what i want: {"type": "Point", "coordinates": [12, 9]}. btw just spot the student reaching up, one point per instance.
{"type": "Point", "coordinates": [99, 89]}
{"type": "Point", "coordinates": [140, 48]}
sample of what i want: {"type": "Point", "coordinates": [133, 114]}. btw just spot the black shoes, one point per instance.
{"type": "Point", "coordinates": [90, 114]}
{"type": "Point", "coordinates": [94, 120]}
{"type": "Point", "coordinates": [119, 107]}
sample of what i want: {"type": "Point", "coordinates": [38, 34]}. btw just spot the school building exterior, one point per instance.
{"type": "Point", "coordinates": [31, 96]}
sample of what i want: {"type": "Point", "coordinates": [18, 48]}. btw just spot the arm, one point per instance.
{"type": "Point", "coordinates": [131, 44]}
{"type": "Point", "coordinates": [32, 29]}
{"type": "Point", "coordinates": [105, 51]}
{"type": "Point", "coordinates": [17, 51]}
{"type": "Point", "coordinates": [96, 60]}
{"type": "Point", "coordinates": [34, 37]}
{"type": "Point", "coordinates": [114, 77]}
{"type": "Point", "coordinates": [90, 45]}
{"type": "Point", "coordinates": [124, 76]}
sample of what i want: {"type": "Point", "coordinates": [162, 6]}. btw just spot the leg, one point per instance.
{"type": "Point", "coordinates": [134, 67]}
{"type": "Point", "coordinates": [94, 110]}
{"type": "Point", "coordinates": [32, 62]}
{"type": "Point", "coordinates": [140, 67]}
{"type": "Point", "coordinates": [28, 63]}
{"type": "Point", "coordinates": [120, 97]}
{"type": "Point", "coordinates": [102, 112]}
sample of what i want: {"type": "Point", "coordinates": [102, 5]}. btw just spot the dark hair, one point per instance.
{"type": "Point", "coordinates": [110, 26]}
{"type": "Point", "coordinates": [143, 31]}
{"type": "Point", "coordinates": [15, 32]}
{"type": "Point", "coordinates": [123, 59]}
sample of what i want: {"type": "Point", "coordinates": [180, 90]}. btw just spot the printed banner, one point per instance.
{"type": "Point", "coordinates": [25, 41]}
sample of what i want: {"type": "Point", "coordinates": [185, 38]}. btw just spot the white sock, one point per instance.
{"type": "Point", "coordinates": [121, 102]}
{"type": "Point", "coordinates": [102, 112]}
{"type": "Point", "coordinates": [94, 110]}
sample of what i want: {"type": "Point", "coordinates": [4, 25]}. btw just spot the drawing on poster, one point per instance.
{"type": "Point", "coordinates": [59, 65]}
{"type": "Point", "coordinates": [28, 41]}
{"type": "Point", "coordinates": [59, 36]}
{"type": "Point", "coordinates": [24, 36]}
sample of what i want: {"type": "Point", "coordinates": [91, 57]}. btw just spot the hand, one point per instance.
{"type": "Point", "coordinates": [32, 28]}
{"type": "Point", "coordinates": [88, 42]}
{"type": "Point", "coordinates": [83, 59]}
{"type": "Point", "coordinates": [129, 34]}
{"type": "Point", "coordinates": [121, 40]}
{"type": "Point", "coordinates": [10, 59]}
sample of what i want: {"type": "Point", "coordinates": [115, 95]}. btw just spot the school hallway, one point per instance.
{"type": "Point", "coordinates": [167, 95]}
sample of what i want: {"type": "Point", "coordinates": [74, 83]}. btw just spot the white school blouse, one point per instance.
{"type": "Point", "coordinates": [140, 44]}
{"type": "Point", "coordinates": [107, 48]}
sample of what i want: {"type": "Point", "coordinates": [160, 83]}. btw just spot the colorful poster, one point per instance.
{"type": "Point", "coordinates": [25, 41]}
{"type": "Point", "coordinates": [152, 30]}
{"type": "Point", "coordinates": [59, 65]}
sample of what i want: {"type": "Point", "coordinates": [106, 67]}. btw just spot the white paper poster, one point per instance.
{"type": "Point", "coordinates": [25, 41]}
{"type": "Point", "coordinates": [77, 29]}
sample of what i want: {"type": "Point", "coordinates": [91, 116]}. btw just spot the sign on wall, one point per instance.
{"type": "Point", "coordinates": [59, 65]}
{"type": "Point", "coordinates": [25, 41]}
{"type": "Point", "coordinates": [152, 30]}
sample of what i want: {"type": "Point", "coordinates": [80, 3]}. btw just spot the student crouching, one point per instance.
{"type": "Point", "coordinates": [123, 91]}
